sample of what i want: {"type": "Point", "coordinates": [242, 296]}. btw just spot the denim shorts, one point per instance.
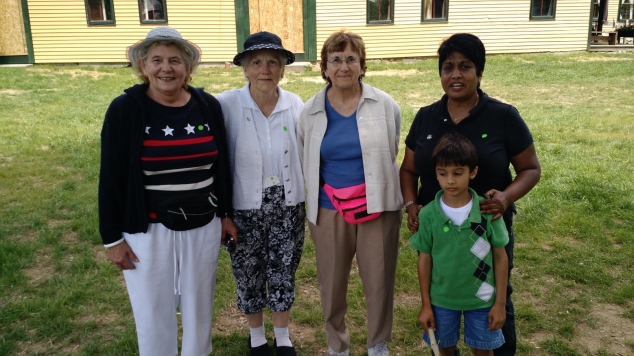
{"type": "Point", "coordinates": [476, 325]}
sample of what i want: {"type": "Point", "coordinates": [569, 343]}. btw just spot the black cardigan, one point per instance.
{"type": "Point", "coordinates": [121, 193]}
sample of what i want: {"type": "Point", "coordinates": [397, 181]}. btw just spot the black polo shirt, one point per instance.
{"type": "Point", "coordinates": [497, 131]}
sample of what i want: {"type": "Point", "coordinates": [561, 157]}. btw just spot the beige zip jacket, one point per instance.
{"type": "Point", "coordinates": [379, 122]}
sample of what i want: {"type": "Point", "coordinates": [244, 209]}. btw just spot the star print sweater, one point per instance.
{"type": "Point", "coordinates": [122, 206]}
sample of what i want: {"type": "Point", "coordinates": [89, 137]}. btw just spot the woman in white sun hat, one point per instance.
{"type": "Point", "coordinates": [165, 194]}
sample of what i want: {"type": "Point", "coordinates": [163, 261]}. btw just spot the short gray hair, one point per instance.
{"type": "Point", "coordinates": [188, 57]}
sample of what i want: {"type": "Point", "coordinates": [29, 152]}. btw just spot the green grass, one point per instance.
{"type": "Point", "coordinates": [574, 258]}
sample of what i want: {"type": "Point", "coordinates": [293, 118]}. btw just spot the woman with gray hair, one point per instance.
{"type": "Point", "coordinates": [268, 189]}
{"type": "Point", "coordinates": [165, 194]}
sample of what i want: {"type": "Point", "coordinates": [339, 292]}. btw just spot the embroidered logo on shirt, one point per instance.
{"type": "Point", "coordinates": [429, 137]}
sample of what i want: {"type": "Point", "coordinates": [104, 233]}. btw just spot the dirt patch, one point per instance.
{"type": "Point", "coordinates": [407, 300]}
{"type": "Point", "coordinates": [302, 333]}
{"type": "Point", "coordinates": [309, 293]}
{"type": "Point", "coordinates": [600, 59]}
{"type": "Point", "coordinates": [34, 348]}
{"type": "Point", "coordinates": [70, 238]}
{"type": "Point", "coordinates": [11, 92]}
{"type": "Point", "coordinates": [535, 339]}
{"type": "Point", "coordinates": [393, 72]}
{"type": "Point", "coordinates": [46, 347]}
{"type": "Point", "coordinates": [605, 329]}
{"type": "Point", "coordinates": [28, 236]}
{"type": "Point", "coordinates": [313, 79]}
{"type": "Point", "coordinates": [609, 330]}
{"type": "Point", "coordinates": [106, 318]}
{"type": "Point", "coordinates": [73, 72]}
{"type": "Point", "coordinates": [100, 254]}
{"type": "Point", "coordinates": [42, 269]}
{"type": "Point", "coordinates": [230, 320]}
{"type": "Point", "coordinates": [6, 158]}
{"type": "Point", "coordinates": [56, 223]}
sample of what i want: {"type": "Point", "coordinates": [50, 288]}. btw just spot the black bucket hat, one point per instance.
{"type": "Point", "coordinates": [263, 40]}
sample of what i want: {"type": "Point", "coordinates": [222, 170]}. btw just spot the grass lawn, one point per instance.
{"type": "Point", "coordinates": [574, 254]}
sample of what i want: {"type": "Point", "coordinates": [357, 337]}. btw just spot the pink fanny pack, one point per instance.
{"type": "Point", "coordinates": [351, 203]}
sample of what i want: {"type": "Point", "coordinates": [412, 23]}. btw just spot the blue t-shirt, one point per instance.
{"type": "Point", "coordinates": [341, 163]}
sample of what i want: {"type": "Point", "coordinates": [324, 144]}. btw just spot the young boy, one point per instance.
{"type": "Point", "coordinates": [462, 265]}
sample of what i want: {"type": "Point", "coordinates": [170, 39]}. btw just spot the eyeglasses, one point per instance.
{"type": "Point", "coordinates": [337, 61]}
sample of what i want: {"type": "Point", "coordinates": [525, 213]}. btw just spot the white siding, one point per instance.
{"type": "Point", "coordinates": [503, 26]}
{"type": "Point", "coordinates": [61, 35]}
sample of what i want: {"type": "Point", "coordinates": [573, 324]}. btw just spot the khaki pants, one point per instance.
{"type": "Point", "coordinates": [375, 244]}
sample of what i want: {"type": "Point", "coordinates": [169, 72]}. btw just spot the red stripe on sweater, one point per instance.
{"type": "Point", "coordinates": [188, 141]}
{"type": "Point", "coordinates": [169, 158]}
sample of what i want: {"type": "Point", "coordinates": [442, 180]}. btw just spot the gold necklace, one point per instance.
{"type": "Point", "coordinates": [466, 116]}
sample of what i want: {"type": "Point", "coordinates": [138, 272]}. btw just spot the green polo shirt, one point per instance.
{"type": "Point", "coordinates": [462, 275]}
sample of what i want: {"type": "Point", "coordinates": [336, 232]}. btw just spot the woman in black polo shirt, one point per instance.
{"type": "Point", "coordinates": [499, 134]}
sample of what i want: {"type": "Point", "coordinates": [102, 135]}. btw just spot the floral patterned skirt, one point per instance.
{"type": "Point", "coordinates": [270, 244]}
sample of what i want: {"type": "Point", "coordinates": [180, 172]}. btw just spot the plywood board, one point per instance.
{"type": "Point", "coordinates": [281, 17]}
{"type": "Point", "coordinates": [12, 38]}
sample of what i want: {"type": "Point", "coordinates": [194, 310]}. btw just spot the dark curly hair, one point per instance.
{"type": "Point", "coordinates": [469, 45]}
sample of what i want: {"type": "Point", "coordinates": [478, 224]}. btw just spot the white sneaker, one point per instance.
{"type": "Point", "coordinates": [332, 352]}
{"type": "Point", "coordinates": [379, 349]}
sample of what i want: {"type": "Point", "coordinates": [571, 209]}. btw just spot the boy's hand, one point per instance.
{"type": "Point", "coordinates": [497, 316]}
{"type": "Point", "coordinates": [426, 319]}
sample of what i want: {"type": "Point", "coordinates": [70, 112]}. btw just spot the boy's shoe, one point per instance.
{"type": "Point", "coordinates": [262, 350]}
{"type": "Point", "coordinates": [284, 350]}
{"type": "Point", "coordinates": [379, 349]}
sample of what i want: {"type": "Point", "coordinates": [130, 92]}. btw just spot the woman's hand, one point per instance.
{"type": "Point", "coordinates": [122, 256]}
{"type": "Point", "coordinates": [409, 186]}
{"type": "Point", "coordinates": [412, 217]}
{"type": "Point", "coordinates": [528, 172]}
{"type": "Point", "coordinates": [229, 228]}
{"type": "Point", "coordinates": [495, 203]}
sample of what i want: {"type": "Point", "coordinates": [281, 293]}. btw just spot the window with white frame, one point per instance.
{"type": "Point", "coordinates": [99, 12]}
{"type": "Point", "coordinates": [626, 10]}
{"type": "Point", "coordinates": [153, 11]}
{"type": "Point", "coordinates": [380, 11]}
{"type": "Point", "coordinates": [435, 10]}
{"type": "Point", "coordinates": [543, 9]}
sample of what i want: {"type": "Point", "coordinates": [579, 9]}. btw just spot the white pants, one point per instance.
{"type": "Point", "coordinates": [175, 268]}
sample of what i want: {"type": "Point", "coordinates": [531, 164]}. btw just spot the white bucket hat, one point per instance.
{"type": "Point", "coordinates": [162, 33]}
